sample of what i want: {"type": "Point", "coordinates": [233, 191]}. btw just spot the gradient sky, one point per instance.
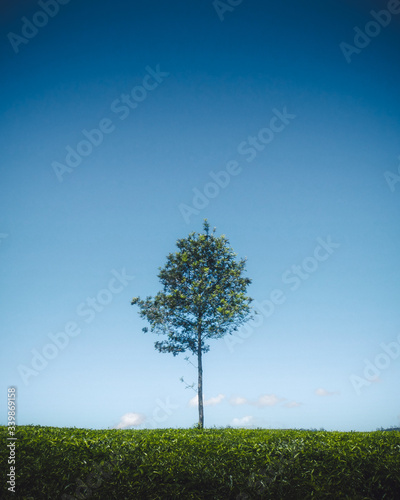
{"type": "Point", "coordinates": [207, 85]}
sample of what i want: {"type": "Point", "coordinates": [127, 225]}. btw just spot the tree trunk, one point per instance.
{"type": "Point", "coordinates": [200, 379]}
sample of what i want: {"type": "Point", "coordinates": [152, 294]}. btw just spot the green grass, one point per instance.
{"type": "Point", "coordinates": [202, 464]}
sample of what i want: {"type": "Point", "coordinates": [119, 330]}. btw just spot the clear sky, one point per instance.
{"type": "Point", "coordinates": [123, 126]}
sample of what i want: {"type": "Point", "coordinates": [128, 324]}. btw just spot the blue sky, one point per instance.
{"type": "Point", "coordinates": [117, 124]}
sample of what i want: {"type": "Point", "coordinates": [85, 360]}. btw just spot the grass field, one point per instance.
{"type": "Point", "coordinates": [69, 463]}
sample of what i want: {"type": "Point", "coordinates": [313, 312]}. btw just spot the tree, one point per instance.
{"type": "Point", "coordinates": [203, 298]}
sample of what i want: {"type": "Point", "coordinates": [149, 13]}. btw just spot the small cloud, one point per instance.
{"type": "Point", "coordinates": [324, 392]}
{"type": "Point", "coordinates": [237, 400]}
{"type": "Point", "coordinates": [292, 404]}
{"type": "Point", "coordinates": [242, 421]}
{"type": "Point", "coordinates": [214, 401]}
{"type": "Point", "coordinates": [207, 402]}
{"type": "Point", "coordinates": [193, 401]}
{"type": "Point", "coordinates": [267, 400]}
{"type": "Point", "coordinates": [130, 420]}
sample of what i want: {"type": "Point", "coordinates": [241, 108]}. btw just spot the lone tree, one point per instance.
{"type": "Point", "coordinates": [203, 297]}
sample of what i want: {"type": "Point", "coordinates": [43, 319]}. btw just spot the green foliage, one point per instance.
{"type": "Point", "coordinates": [62, 463]}
{"type": "Point", "coordinates": [204, 294]}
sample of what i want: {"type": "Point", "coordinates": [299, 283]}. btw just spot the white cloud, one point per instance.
{"type": "Point", "coordinates": [260, 402]}
{"type": "Point", "coordinates": [193, 401]}
{"type": "Point", "coordinates": [237, 400]}
{"type": "Point", "coordinates": [267, 400]}
{"type": "Point", "coordinates": [130, 420]}
{"type": "Point", "coordinates": [292, 404]}
{"type": "Point", "coordinates": [324, 392]}
{"type": "Point", "coordinates": [214, 401]}
{"type": "Point", "coordinates": [242, 421]}
{"type": "Point", "coordinates": [207, 402]}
